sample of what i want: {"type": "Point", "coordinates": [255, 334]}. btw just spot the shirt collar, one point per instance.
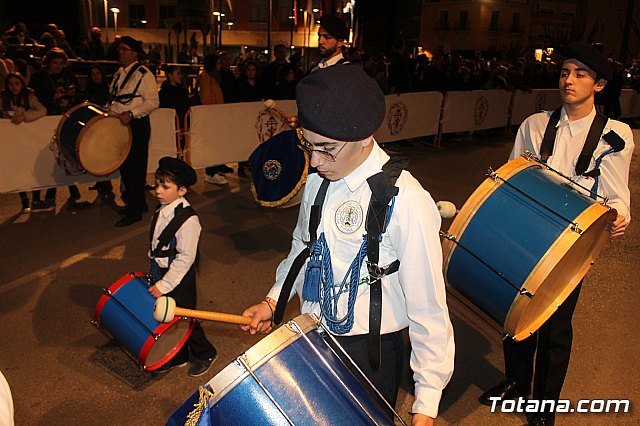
{"type": "Point", "coordinates": [372, 165]}
{"type": "Point", "coordinates": [331, 61]}
{"type": "Point", "coordinates": [577, 126]}
{"type": "Point", "coordinates": [168, 210]}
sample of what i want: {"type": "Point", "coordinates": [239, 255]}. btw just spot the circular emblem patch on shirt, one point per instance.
{"type": "Point", "coordinates": [272, 169]}
{"type": "Point", "coordinates": [349, 217]}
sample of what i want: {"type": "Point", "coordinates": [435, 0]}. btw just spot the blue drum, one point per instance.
{"type": "Point", "coordinates": [125, 311]}
{"type": "Point", "coordinates": [291, 377]}
{"type": "Point", "coordinates": [90, 139]}
{"type": "Point", "coordinates": [279, 171]}
{"type": "Point", "coordinates": [522, 243]}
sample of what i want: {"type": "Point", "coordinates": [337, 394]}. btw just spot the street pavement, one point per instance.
{"type": "Point", "coordinates": [62, 370]}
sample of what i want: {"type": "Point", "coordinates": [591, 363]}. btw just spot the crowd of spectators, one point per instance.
{"type": "Point", "coordinates": [35, 76]}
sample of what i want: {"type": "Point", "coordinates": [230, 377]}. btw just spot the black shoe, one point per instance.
{"type": "Point", "coordinates": [170, 366]}
{"type": "Point", "coordinates": [225, 169]}
{"type": "Point", "coordinates": [79, 205]}
{"type": "Point", "coordinates": [505, 390]}
{"type": "Point", "coordinates": [200, 366]}
{"type": "Point", "coordinates": [543, 419]}
{"type": "Point", "coordinates": [129, 219]}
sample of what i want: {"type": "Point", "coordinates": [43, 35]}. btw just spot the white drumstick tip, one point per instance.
{"type": "Point", "coordinates": [269, 103]}
{"type": "Point", "coordinates": [447, 209]}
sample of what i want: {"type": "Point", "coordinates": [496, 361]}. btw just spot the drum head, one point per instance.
{"type": "Point", "coordinates": [559, 272]}
{"type": "Point", "coordinates": [103, 145]}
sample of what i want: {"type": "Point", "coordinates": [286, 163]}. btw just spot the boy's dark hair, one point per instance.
{"type": "Point", "coordinates": [163, 176]}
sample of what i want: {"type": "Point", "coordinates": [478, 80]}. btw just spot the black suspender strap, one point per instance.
{"type": "Point", "coordinates": [167, 234]}
{"type": "Point", "coordinates": [593, 137]}
{"type": "Point", "coordinates": [299, 261]}
{"type": "Point", "coordinates": [549, 139]}
{"type": "Point", "coordinates": [382, 191]}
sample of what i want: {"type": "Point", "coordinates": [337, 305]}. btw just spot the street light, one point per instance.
{"type": "Point", "coordinates": [115, 11]}
{"type": "Point", "coordinates": [106, 21]}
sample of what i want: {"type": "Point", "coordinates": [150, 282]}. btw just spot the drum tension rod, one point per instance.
{"type": "Point", "coordinates": [453, 238]}
{"type": "Point", "coordinates": [528, 155]}
{"type": "Point", "coordinates": [243, 361]}
{"type": "Point", "coordinates": [493, 175]}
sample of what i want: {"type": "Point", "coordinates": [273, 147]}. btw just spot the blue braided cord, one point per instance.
{"type": "Point", "coordinates": [311, 286]}
{"type": "Point", "coordinates": [594, 188]}
{"type": "Point", "coordinates": [331, 294]}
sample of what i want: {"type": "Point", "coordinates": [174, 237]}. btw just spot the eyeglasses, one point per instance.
{"type": "Point", "coordinates": [307, 147]}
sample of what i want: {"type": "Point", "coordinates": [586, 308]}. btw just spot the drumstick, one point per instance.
{"type": "Point", "coordinates": [165, 309]}
{"type": "Point", "coordinates": [446, 209]}
{"type": "Point", "coordinates": [270, 104]}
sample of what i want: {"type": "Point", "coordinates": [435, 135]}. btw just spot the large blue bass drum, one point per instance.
{"type": "Point", "coordinates": [521, 244]}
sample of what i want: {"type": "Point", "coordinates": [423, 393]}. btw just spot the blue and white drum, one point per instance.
{"type": "Point", "coordinates": [92, 140]}
{"type": "Point", "coordinates": [291, 377]}
{"type": "Point", "coordinates": [521, 244]}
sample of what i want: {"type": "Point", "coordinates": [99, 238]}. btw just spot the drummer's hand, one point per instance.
{"type": "Point", "coordinates": [126, 117]}
{"type": "Point", "coordinates": [261, 314]}
{"type": "Point", "coordinates": [155, 292]}
{"type": "Point", "coordinates": [421, 420]}
{"type": "Point", "coordinates": [17, 119]}
{"type": "Point", "coordinates": [617, 227]}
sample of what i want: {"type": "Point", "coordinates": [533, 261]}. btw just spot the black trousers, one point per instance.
{"type": "Point", "coordinates": [551, 347]}
{"type": "Point", "coordinates": [134, 169]}
{"type": "Point", "coordinates": [387, 378]}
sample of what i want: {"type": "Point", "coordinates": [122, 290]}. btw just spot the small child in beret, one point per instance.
{"type": "Point", "coordinates": [175, 232]}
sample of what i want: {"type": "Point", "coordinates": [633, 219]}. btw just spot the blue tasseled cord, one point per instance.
{"type": "Point", "coordinates": [319, 282]}
{"type": "Point", "coordinates": [594, 188]}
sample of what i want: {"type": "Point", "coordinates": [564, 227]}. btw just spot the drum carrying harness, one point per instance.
{"type": "Point", "coordinates": [383, 190]}
{"type": "Point", "coordinates": [167, 238]}
{"type": "Point", "coordinates": [126, 99]}
{"type": "Point", "coordinates": [593, 137]}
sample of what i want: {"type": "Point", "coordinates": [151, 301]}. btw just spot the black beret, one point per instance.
{"type": "Point", "coordinates": [184, 173]}
{"type": "Point", "coordinates": [335, 26]}
{"type": "Point", "coordinates": [132, 43]}
{"type": "Point", "coordinates": [591, 57]}
{"type": "Point", "coordinates": [340, 102]}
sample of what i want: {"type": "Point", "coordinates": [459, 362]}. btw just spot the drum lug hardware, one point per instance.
{"type": "Point", "coordinates": [576, 228]}
{"type": "Point", "coordinates": [528, 155]}
{"type": "Point", "coordinates": [106, 291]}
{"type": "Point", "coordinates": [448, 235]}
{"type": "Point", "coordinates": [525, 292]}
{"type": "Point", "coordinates": [506, 336]}
{"type": "Point", "coordinates": [156, 336]}
{"type": "Point", "coordinates": [95, 323]}
{"type": "Point", "coordinates": [493, 175]}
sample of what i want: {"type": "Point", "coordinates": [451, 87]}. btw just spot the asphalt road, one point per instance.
{"type": "Point", "coordinates": [62, 370]}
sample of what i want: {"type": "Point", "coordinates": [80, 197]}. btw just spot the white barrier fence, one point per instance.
{"type": "Point", "coordinates": [230, 132]}
{"type": "Point", "coordinates": [27, 162]}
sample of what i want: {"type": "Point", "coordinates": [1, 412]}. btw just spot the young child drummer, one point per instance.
{"type": "Point", "coordinates": [175, 231]}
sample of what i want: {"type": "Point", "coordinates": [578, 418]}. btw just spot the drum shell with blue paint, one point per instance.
{"type": "Point", "coordinates": [521, 226]}
{"type": "Point", "coordinates": [126, 313]}
{"type": "Point", "coordinates": [305, 378]}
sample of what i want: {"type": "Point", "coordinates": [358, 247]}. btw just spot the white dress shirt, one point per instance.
{"type": "Point", "coordinates": [570, 138]}
{"type": "Point", "coordinates": [413, 297]}
{"type": "Point", "coordinates": [148, 91]}
{"type": "Point", "coordinates": [324, 63]}
{"type": "Point", "coordinates": [186, 245]}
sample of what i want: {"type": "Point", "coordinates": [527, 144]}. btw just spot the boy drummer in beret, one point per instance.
{"type": "Point", "coordinates": [365, 301]}
{"type": "Point", "coordinates": [600, 163]}
{"type": "Point", "coordinates": [175, 231]}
